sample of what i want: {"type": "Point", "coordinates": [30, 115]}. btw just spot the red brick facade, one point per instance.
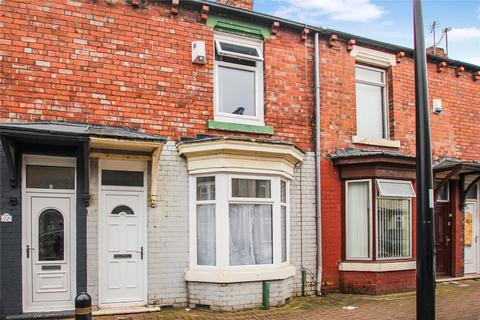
{"type": "Point", "coordinates": [84, 61]}
{"type": "Point", "coordinates": [88, 61]}
{"type": "Point", "coordinates": [453, 135]}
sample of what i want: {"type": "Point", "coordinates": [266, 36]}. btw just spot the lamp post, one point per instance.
{"type": "Point", "coordinates": [425, 197]}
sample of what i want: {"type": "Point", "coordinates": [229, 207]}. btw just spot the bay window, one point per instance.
{"type": "Point", "coordinates": [391, 215]}
{"type": "Point", "coordinates": [240, 220]}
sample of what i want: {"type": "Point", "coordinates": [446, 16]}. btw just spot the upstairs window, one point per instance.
{"type": "Point", "coordinates": [238, 79]}
{"type": "Point", "coordinates": [371, 102]}
{"type": "Point", "coordinates": [444, 193]}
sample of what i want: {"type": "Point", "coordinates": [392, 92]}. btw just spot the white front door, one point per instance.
{"type": "Point", "coordinates": [49, 234]}
{"type": "Point", "coordinates": [122, 235]}
{"type": "Point", "coordinates": [471, 243]}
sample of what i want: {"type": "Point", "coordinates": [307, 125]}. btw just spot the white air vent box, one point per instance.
{"type": "Point", "coordinates": [198, 52]}
{"type": "Point", "coordinates": [437, 105]}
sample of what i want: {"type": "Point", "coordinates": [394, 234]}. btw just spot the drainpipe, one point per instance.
{"type": "Point", "coordinates": [318, 199]}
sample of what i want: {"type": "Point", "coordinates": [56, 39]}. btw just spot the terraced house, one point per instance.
{"type": "Point", "coordinates": [197, 153]}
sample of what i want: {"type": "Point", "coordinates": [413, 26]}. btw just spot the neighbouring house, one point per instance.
{"type": "Point", "coordinates": [162, 153]}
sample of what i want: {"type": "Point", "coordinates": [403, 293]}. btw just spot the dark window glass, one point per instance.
{"type": "Point", "coordinates": [283, 191]}
{"type": "Point", "coordinates": [239, 49]}
{"type": "Point", "coordinates": [472, 193]}
{"type": "Point", "coordinates": [122, 178]}
{"type": "Point", "coordinates": [444, 191]}
{"type": "Point", "coordinates": [47, 177]}
{"type": "Point", "coordinates": [122, 209]}
{"type": "Point", "coordinates": [205, 188]}
{"type": "Point", "coordinates": [239, 61]}
{"type": "Point", "coordinates": [250, 188]}
{"type": "Point", "coordinates": [50, 236]}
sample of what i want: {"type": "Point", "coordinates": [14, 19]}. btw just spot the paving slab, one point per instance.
{"type": "Point", "coordinates": [458, 300]}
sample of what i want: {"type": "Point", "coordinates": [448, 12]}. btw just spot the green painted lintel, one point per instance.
{"type": "Point", "coordinates": [227, 126]}
{"type": "Point", "coordinates": [238, 27]}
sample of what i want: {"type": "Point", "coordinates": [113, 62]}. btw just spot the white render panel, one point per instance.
{"type": "Point", "coordinates": [92, 234]}
{"type": "Point", "coordinates": [303, 247]}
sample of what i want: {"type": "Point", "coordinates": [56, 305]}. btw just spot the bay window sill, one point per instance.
{"type": "Point", "coordinates": [247, 274]}
{"type": "Point", "coordinates": [380, 142]}
{"type": "Point", "coordinates": [378, 266]}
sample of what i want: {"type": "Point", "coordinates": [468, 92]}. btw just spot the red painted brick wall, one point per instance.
{"type": "Point", "coordinates": [454, 134]}
{"type": "Point", "coordinates": [86, 61]}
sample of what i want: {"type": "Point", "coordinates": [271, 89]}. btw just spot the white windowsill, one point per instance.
{"type": "Point", "coordinates": [377, 266]}
{"type": "Point", "coordinates": [376, 142]}
{"type": "Point", "coordinates": [239, 275]}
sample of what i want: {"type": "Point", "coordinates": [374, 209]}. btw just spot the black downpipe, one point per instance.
{"type": "Point", "coordinates": [425, 199]}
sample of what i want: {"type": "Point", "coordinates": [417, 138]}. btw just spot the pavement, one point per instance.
{"type": "Point", "coordinates": [458, 300]}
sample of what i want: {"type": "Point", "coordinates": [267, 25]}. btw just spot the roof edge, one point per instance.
{"type": "Point", "coordinates": [327, 32]}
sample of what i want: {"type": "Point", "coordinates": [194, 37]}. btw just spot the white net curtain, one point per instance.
{"type": "Point", "coordinates": [250, 234]}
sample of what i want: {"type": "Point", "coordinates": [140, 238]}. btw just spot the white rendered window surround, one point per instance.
{"type": "Point", "coordinates": [238, 80]}
{"type": "Point", "coordinates": [263, 212]}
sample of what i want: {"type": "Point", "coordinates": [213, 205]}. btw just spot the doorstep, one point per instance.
{"type": "Point", "coordinates": [465, 277]}
{"type": "Point", "coordinates": [124, 310]}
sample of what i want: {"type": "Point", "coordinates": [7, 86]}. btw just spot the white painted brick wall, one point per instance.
{"type": "Point", "coordinates": [168, 232]}
{"type": "Point", "coordinates": [237, 296]}
{"type": "Point", "coordinates": [92, 234]}
{"type": "Point", "coordinates": [302, 224]}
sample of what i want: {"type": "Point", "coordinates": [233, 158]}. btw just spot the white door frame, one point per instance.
{"type": "Point", "coordinates": [124, 165]}
{"type": "Point", "coordinates": [26, 263]}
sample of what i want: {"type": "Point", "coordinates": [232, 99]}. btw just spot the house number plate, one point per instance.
{"type": "Point", "coordinates": [6, 218]}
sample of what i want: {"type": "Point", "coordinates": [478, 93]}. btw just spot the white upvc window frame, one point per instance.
{"type": "Point", "coordinates": [223, 198]}
{"type": "Point", "coordinates": [370, 215]}
{"type": "Point", "coordinates": [258, 119]}
{"type": "Point", "coordinates": [385, 113]}
{"type": "Point", "coordinates": [243, 42]}
{"type": "Point", "coordinates": [378, 183]}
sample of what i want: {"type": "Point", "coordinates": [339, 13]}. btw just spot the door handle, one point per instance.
{"type": "Point", "coordinates": [28, 249]}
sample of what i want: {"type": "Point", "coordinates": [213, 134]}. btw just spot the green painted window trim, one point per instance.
{"type": "Point", "coordinates": [238, 127]}
{"type": "Point", "coordinates": [238, 27]}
